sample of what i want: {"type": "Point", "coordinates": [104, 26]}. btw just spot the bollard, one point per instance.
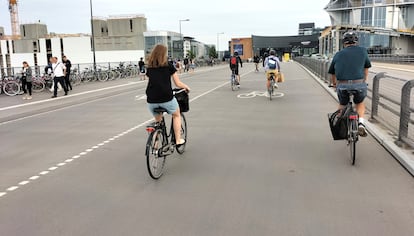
{"type": "Point", "coordinates": [375, 94]}
{"type": "Point", "coordinates": [405, 114]}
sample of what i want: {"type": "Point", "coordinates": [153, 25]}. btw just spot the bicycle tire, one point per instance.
{"type": "Point", "coordinates": [353, 138]}
{"type": "Point", "coordinates": [11, 88]}
{"type": "Point", "coordinates": [181, 149]}
{"type": "Point", "coordinates": [155, 161]}
{"type": "Point", "coordinates": [38, 86]}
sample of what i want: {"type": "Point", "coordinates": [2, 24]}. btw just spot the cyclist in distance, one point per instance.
{"type": "Point", "coordinates": [349, 70]}
{"type": "Point", "coordinates": [159, 90]}
{"type": "Point", "coordinates": [234, 65]}
{"type": "Point", "coordinates": [272, 65]}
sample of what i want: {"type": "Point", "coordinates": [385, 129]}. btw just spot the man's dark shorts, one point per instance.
{"type": "Point", "coordinates": [236, 70]}
{"type": "Point", "coordinates": [359, 96]}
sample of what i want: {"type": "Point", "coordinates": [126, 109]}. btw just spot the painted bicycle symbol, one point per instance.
{"type": "Point", "coordinates": [259, 94]}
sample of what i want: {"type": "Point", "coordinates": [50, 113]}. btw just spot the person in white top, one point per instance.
{"type": "Point", "coordinates": [59, 72]}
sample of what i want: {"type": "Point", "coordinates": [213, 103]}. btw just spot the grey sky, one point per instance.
{"type": "Point", "coordinates": [236, 18]}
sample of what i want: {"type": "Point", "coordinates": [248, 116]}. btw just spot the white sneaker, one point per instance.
{"type": "Point", "coordinates": [362, 131]}
{"type": "Point", "coordinates": [24, 97]}
{"type": "Point", "coordinates": [276, 86]}
{"type": "Point", "coordinates": [29, 98]}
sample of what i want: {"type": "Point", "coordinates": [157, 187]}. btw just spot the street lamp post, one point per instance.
{"type": "Point", "coordinates": [218, 50]}
{"type": "Point", "coordinates": [93, 38]}
{"type": "Point", "coordinates": [182, 39]}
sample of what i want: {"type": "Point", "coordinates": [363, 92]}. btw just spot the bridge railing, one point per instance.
{"type": "Point", "coordinates": [390, 100]}
{"type": "Point", "coordinates": [392, 58]}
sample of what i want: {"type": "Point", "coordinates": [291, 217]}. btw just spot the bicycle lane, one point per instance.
{"type": "Point", "coordinates": [54, 149]}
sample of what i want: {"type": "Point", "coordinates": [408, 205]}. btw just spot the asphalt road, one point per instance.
{"type": "Point", "coordinates": [252, 167]}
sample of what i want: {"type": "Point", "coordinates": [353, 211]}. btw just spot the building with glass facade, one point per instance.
{"type": "Point", "coordinates": [384, 26]}
{"type": "Point", "coordinates": [178, 46]}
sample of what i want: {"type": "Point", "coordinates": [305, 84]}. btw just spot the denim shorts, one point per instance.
{"type": "Point", "coordinates": [170, 106]}
{"type": "Point", "coordinates": [359, 95]}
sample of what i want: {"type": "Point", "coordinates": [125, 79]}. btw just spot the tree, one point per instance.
{"type": "Point", "coordinates": [212, 52]}
{"type": "Point", "coordinates": [191, 54]}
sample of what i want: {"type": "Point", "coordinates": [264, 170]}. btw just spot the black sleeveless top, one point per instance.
{"type": "Point", "coordinates": [159, 89]}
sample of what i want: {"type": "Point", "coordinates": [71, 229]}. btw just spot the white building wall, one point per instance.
{"type": "Point", "coordinates": [78, 49]}
{"type": "Point", "coordinates": [119, 56]}
{"type": "Point", "coordinates": [18, 58]}
{"type": "Point", "coordinates": [56, 50]}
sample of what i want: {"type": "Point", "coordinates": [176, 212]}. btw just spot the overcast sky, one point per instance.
{"type": "Point", "coordinates": [236, 18]}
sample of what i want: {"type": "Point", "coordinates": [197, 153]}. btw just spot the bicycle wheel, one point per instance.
{"type": "Point", "coordinates": [11, 88]}
{"type": "Point", "coordinates": [181, 149]}
{"type": "Point", "coordinates": [353, 138]}
{"type": "Point", "coordinates": [155, 162]}
{"type": "Point", "coordinates": [38, 86]}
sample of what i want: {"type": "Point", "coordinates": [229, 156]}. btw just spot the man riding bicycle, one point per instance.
{"type": "Point", "coordinates": [234, 66]}
{"type": "Point", "coordinates": [349, 70]}
{"type": "Point", "coordinates": [272, 67]}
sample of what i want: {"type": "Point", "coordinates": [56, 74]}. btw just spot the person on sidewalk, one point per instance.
{"type": "Point", "coordinates": [142, 70]}
{"type": "Point", "coordinates": [27, 81]}
{"type": "Point", "coordinates": [349, 70]}
{"type": "Point", "coordinates": [59, 71]}
{"type": "Point", "coordinates": [68, 65]}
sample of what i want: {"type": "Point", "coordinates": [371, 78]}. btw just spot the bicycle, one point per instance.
{"type": "Point", "coordinates": [161, 144]}
{"type": "Point", "coordinates": [352, 125]}
{"type": "Point", "coordinates": [271, 88]}
{"type": "Point", "coordinates": [233, 80]}
{"type": "Point", "coordinates": [9, 86]}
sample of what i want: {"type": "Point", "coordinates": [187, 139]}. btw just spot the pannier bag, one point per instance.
{"type": "Point", "coordinates": [338, 125]}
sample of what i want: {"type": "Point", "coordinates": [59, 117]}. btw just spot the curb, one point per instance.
{"type": "Point", "coordinates": [387, 141]}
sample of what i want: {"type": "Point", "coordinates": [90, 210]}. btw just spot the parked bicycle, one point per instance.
{"type": "Point", "coordinates": [161, 144]}
{"type": "Point", "coordinates": [9, 86]}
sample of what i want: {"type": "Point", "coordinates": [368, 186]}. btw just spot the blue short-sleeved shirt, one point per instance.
{"type": "Point", "coordinates": [349, 63]}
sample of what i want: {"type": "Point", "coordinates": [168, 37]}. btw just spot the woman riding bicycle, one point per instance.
{"type": "Point", "coordinates": [272, 67]}
{"type": "Point", "coordinates": [159, 90]}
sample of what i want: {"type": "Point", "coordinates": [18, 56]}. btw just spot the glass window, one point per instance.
{"type": "Point", "coordinates": [366, 16]}
{"type": "Point", "coordinates": [379, 17]}
{"type": "Point", "coordinates": [345, 17]}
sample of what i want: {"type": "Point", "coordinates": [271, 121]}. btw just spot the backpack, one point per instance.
{"type": "Point", "coordinates": [233, 61]}
{"type": "Point", "coordinates": [272, 63]}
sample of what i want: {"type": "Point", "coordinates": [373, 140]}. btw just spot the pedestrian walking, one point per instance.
{"type": "Point", "coordinates": [186, 64]}
{"type": "Point", "coordinates": [27, 81]}
{"type": "Point", "coordinates": [68, 65]}
{"type": "Point", "coordinates": [59, 71]}
{"type": "Point", "coordinates": [142, 70]}
{"type": "Point", "coordinates": [192, 65]}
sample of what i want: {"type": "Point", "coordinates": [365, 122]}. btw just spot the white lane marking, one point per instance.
{"type": "Point", "coordinates": [24, 183]}
{"type": "Point", "coordinates": [99, 145]}
{"type": "Point", "coordinates": [12, 188]}
{"type": "Point", "coordinates": [140, 97]}
{"type": "Point", "coordinates": [260, 94]}
{"type": "Point", "coordinates": [72, 95]}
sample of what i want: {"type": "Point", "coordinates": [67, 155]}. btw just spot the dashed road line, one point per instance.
{"type": "Point", "coordinates": [53, 168]}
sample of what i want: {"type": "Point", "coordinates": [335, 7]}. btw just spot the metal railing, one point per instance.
{"type": "Point", "coordinates": [392, 58]}
{"type": "Point", "coordinates": [389, 99]}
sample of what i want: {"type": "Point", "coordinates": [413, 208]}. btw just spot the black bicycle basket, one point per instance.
{"type": "Point", "coordinates": [183, 100]}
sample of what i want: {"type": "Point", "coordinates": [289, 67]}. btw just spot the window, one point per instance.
{"type": "Point", "coordinates": [366, 16]}
{"type": "Point", "coordinates": [130, 25]}
{"type": "Point", "coordinates": [379, 17]}
{"type": "Point", "coordinates": [345, 19]}
{"type": "Point", "coordinates": [366, 2]}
